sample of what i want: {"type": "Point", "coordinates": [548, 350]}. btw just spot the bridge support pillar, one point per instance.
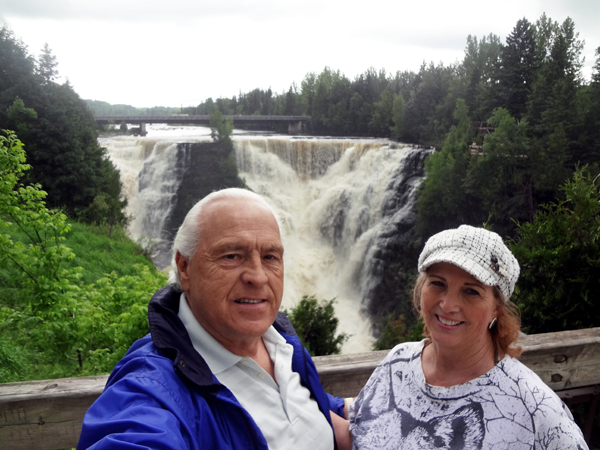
{"type": "Point", "coordinates": [143, 131]}
{"type": "Point", "coordinates": [295, 127]}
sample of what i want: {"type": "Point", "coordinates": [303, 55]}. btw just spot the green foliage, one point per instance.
{"type": "Point", "coordinates": [47, 64]}
{"type": "Point", "coordinates": [501, 178]}
{"type": "Point", "coordinates": [559, 253]}
{"type": "Point", "coordinates": [394, 331]}
{"type": "Point", "coordinates": [51, 323]}
{"type": "Point", "coordinates": [316, 325]}
{"type": "Point", "coordinates": [23, 207]}
{"type": "Point", "coordinates": [220, 128]}
{"type": "Point", "coordinates": [518, 68]}
{"type": "Point", "coordinates": [398, 110]}
{"type": "Point", "coordinates": [443, 201]}
{"type": "Point", "coordinates": [20, 116]}
{"type": "Point", "coordinates": [106, 211]}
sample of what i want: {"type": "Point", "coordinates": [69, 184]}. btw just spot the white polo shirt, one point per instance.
{"type": "Point", "coordinates": [283, 411]}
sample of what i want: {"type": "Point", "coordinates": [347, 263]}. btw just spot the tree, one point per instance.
{"type": "Point", "coordinates": [430, 90]}
{"type": "Point", "coordinates": [292, 102]}
{"type": "Point", "coordinates": [394, 331]}
{"type": "Point", "coordinates": [554, 92]}
{"type": "Point", "coordinates": [40, 259]}
{"type": "Point", "coordinates": [501, 178]}
{"type": "Point", "coordinates": [443, 201]}
{"type": "Point", "coordinates": [316, 325]}
{"type": "Point", "coordinates": [382, 120]}
{"type": "Point", "coordinates": [220, 129]}
{"type": "Point", "coordinates": [518, 69]}
{"type": "Point", "coordinates": [62, 140]}
{"type": "Point", "coordinates": [398, 116]}
{"type": "Point", "coordinates": [46, 65]}
{"type": "Point", "coordinates": [559, 254]}
{"type": "Point", "coordinates": [476, 75]}
{"type": "Point", "coordinates": [20, 118]}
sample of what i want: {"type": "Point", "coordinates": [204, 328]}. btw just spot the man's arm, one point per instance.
{"type": "Point", "coordinates": [133, 411]}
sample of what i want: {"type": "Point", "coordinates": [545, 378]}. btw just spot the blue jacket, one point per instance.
{"type": "Point", "coordinates": [163, 395]}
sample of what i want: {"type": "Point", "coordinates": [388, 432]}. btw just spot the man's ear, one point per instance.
{"type": "Point", "coordinates": [183, 265]}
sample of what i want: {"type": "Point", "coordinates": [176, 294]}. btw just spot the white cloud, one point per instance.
{"type": "Point", "coordinates": [152, 52]}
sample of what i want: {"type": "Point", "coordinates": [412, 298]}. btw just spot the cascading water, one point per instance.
{"type": "Point", "coordinates": [337, 199]}
{"type": "Point", "coordinates": [150, 173]}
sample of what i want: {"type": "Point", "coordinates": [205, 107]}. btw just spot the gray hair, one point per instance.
{"type": "Point", "coordinates": [189, 235]}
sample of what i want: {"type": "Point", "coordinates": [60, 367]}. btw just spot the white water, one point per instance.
{"type": "Point", "coordinates": [328, 192]}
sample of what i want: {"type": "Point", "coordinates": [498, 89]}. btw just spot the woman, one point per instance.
{"type": "Point", "coordinates": [461, 387]}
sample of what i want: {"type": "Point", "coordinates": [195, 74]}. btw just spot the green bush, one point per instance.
{"type": "Point", "coordinates": [559, 254]}
{"type": "Point", "coordinates": [316, 325]}
{"type": "Point", "coordinates": [393, 331]}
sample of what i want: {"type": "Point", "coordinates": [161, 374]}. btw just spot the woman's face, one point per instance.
{"type": "Point", "coordinates": [456, 307]}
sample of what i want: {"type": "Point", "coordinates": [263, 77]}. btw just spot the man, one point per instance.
{"type": "Point", "coordinates": [221, 368]}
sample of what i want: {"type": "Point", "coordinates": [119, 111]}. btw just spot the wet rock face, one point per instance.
{"type": "Point", "coordinates": [396, 249]}
{"type": "Point", "coordinates": [205, 170]}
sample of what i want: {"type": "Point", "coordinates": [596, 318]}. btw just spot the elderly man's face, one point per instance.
{"type": "Point", "coordinates": [234, 282]}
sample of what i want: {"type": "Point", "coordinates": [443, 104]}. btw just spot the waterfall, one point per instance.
{"type": "Point", "coordinates": [330, 196]}
{"type": "Point", "coordinates": [150, 173]}
{"type": "Point", "coordinates": [341, 203]}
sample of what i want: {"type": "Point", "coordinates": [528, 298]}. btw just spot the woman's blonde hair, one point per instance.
{"type": "Point", "coordinates": [505, 332]}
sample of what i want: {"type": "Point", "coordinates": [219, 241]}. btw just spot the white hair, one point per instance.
{"type": "Point", "coordinates": [189, 235]}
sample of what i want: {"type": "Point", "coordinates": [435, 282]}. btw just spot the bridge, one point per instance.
{"type": "Point", "coordinates": [296, 124]}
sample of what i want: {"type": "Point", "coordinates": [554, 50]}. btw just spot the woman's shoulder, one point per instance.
{"type": "Point", "coordinates": [408, 350]}
{"type": "Point", "coordinates": [553, 420]}
{"type": "Point", "coordinates": [516, 370]}
{"type": "Point", "coordinates": [517, 377]}
{"type": "Point", "coordinates": [403, 353]}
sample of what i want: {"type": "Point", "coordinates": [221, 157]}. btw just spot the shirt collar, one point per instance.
{"type": "Point", "coordinates": [216, 356]}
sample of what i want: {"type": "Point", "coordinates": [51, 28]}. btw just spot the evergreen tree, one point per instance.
{"type": "Point", "coordinates": [500, 178]}
{"type": "Point", "coordinates": [398, 108]}
{"type": "Point", "coordinates": [443, 201]}
{"type": "Point", "coordinates": [382, 121]}
{"type": "Point", "coordinates": [46, 65]}
{"type": "Point", "coordinates": [518, 69]}
{"type": "Point", "coordinates": [316, 325]}
{"type": "Point", "coordinates": [553, 97]}
{"type": "Point", "coordinates": [57, 128]}
{"type": "Point", "coordinates": [476, 75]}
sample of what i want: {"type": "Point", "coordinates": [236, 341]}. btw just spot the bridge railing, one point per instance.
{"type": "Point", "coordinates": [48, 414]}
{"type": "Point", "coordinates": [198, 119]}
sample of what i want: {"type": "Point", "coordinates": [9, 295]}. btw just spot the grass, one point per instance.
{"type": "Point", "coordinates": [100, 254]}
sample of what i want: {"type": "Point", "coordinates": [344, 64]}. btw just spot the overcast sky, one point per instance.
{"type": "Point", "coordinates": [180, 52]}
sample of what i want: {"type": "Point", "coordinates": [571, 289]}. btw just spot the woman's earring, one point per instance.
{"type": "Point", "coordinates": [492, 323]}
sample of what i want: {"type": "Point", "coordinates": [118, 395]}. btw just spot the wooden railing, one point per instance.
{"type": "Point", "coordinates": [48, 414]}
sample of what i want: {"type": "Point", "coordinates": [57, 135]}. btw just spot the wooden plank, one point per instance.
{"type": "Point", "coordinates": [345, 375]}
{"type": "Point", "coordinates": [45, 414]}
{"type": "Point", "coordinates": [564, 360]}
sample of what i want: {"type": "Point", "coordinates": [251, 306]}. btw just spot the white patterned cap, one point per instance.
{"type": "Point", "coordinates": [477, 251]}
